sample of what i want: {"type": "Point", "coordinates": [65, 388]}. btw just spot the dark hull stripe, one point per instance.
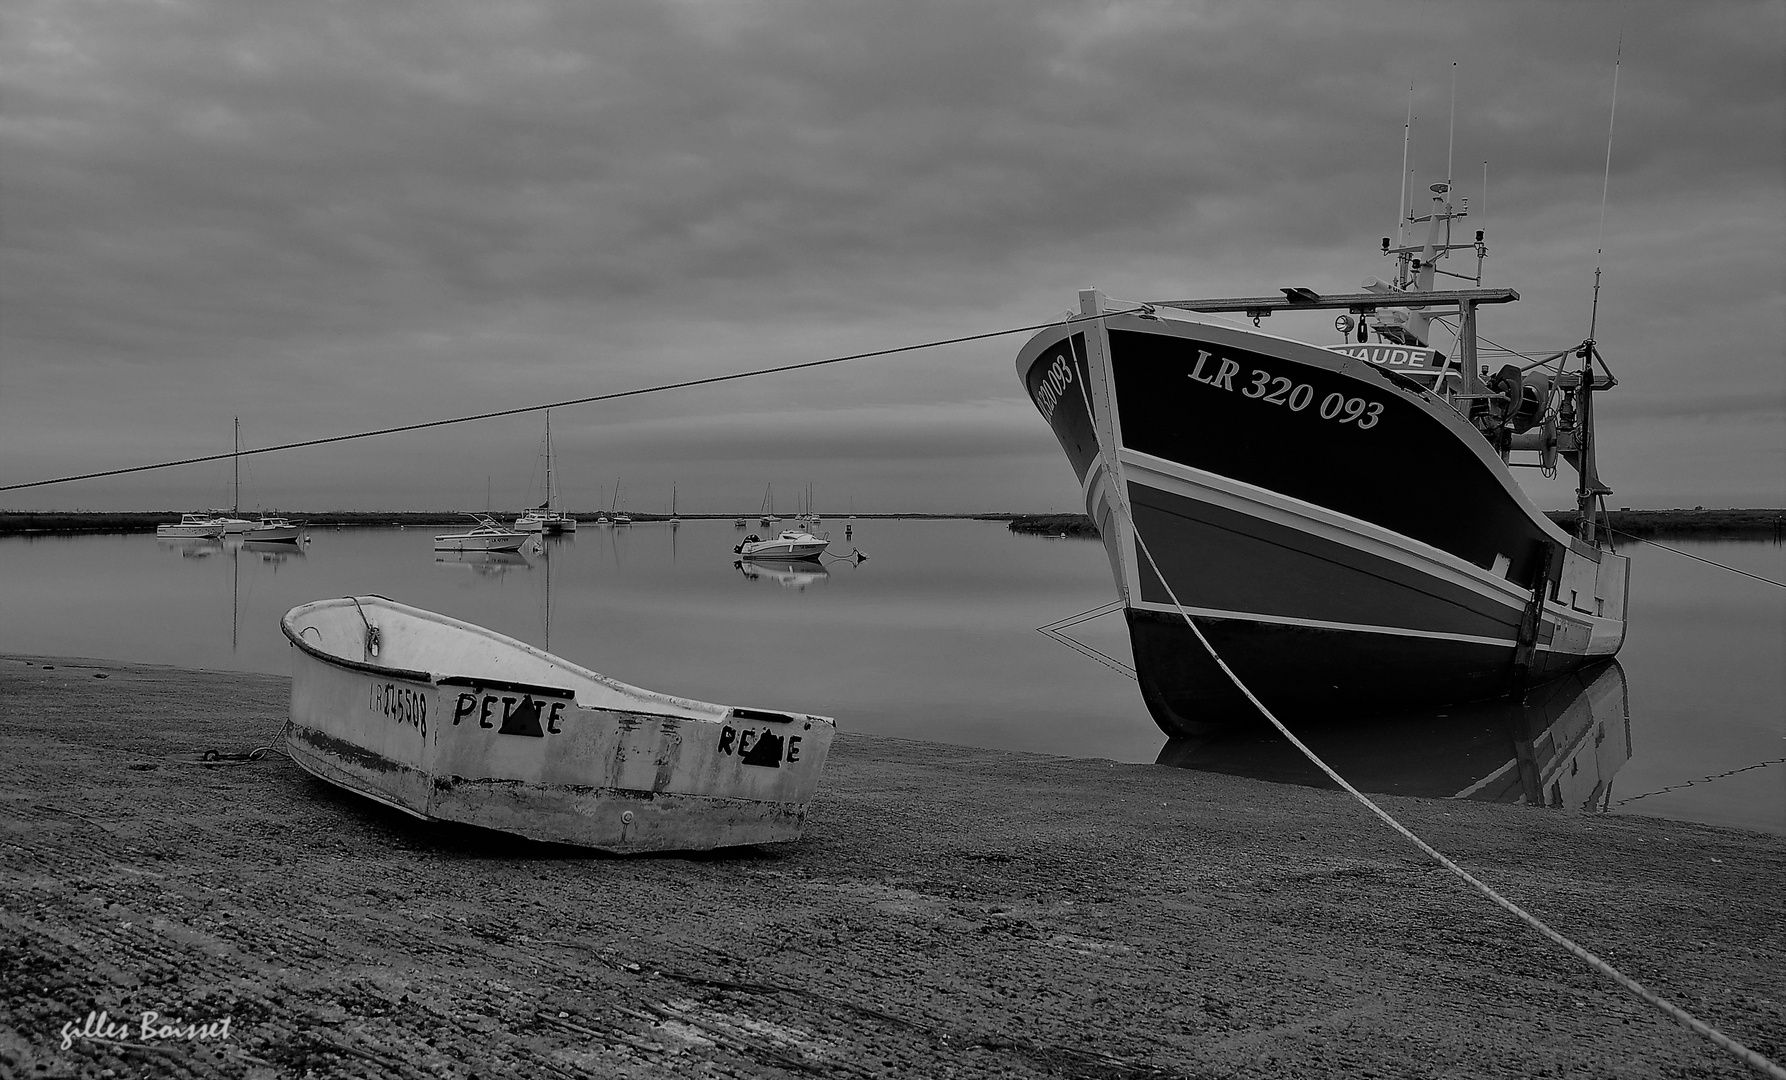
{"type": "Point", "coordinates": [1223, 559]}
{"type": "Point", "coordinates": [1249, 407]}
{"type": "Point", "coordinates": [1310, 674]}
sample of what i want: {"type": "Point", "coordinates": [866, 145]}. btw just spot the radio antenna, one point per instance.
{"type": "Point", "coordinates": [1451, 143]}
{"type": "Point", "coordinates": [1401, 209]}
{"type": "Point", "coordinates": [1605, 186]}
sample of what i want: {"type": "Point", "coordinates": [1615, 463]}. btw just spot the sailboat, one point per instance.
{"type": "Point", "coordinates": [768, 517]}
{"type": "Point", "coordinates": [217, 521]}
{"type": "Point", "coordinates": [621, 517]}
{"type": "Point", "coordinates": [1337, 524]}
{"type": "Point", "coordinates": [546, 519]}
{"type": "Point", "coordinates": [674, 520]}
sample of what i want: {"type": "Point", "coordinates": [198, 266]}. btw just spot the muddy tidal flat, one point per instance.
{"type": "Point", "coordinates": [949, 912]}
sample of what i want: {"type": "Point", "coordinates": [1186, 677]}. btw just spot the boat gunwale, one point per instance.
{"type": "Point", "coordinates": [315, 652]}
{"type": "Point", "coordinates": [641, 697]}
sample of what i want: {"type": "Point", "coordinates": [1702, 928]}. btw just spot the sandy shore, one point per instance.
{"type": "Point", "coordinates": [950, 912]}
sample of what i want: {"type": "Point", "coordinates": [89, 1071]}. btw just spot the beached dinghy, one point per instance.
{"type": "Point", "coordinates": [453, 722]}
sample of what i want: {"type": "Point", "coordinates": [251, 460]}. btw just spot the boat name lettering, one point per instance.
{"type": "Point", "coordinates": [1293, 395]}
{"type": "Point", "coordinates": [518, 716]}
{"type": "Point", "coordinates": [1393, 356]}
{"type": "Point", "coordinates": [402, 704]}
{"type": "Point", "coordinates": [754, 747]}
{"type": "Point", "coordinates": [1222, 378]}
{"type": "Point", "coordinates": [1059, 377]}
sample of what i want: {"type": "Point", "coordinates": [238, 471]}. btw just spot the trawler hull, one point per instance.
{"type": "Point", "coordinates": [1344, 540]}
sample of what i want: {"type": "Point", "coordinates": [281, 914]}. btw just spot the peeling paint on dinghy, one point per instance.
{"type": "Point", "coordinates": [450, 721]}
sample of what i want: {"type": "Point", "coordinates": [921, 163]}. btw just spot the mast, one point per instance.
{"type": "Point", "coordinates": [237, 508]}
{"type": "Point", "coordinates": [548, 462]}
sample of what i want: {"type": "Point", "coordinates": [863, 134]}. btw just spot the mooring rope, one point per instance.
{"type": "Point", "coordinates": [1702, 780]}
{"type": "Point", "coordinates": [1696, 558]}
{"type": "Point", "coordinates": [1053, 632]}
{"type": "Point", "coordinates": [683, 385]}
{"type": "Point", "coordinates": [1752, 1058]}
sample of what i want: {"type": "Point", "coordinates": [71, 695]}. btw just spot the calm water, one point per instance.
{"type": "Point", "coordinates": [933, 637]}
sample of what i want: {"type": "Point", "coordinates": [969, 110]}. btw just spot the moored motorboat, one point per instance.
{"type": "Point", "coordinates": [450, 721]}
{"type": "Point", "coordinates": [531, 521]}
{"type": "Point", "coordinates": [1339, 522]}
{"type": "Point", "coordinates": [192, 526]}
{"type": "Point", "coordinates": [232, 525]}
{"type": "Point", "coordinates": [487, 536]}
{"type": "Point", "coordinates": [789, 545]}
{"type": "Point", "coordinates": [272, 529]}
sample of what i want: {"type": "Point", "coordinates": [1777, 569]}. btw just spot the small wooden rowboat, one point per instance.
{"type": "Point", "coordinates": [454, 722]}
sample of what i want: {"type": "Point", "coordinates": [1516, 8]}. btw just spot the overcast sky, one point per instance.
{"type": "Point", "coordinates": [325, 217]}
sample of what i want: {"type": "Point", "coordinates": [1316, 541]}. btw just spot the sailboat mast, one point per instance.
{"type": "Point", "coordinates": [237, 509]}
{"type": "Point", "coordinates": [548, 459]}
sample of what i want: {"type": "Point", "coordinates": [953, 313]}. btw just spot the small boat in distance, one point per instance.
{"type": "Point", "coordinates": [272, 529]}
{"type": "Point", "coordinates": [192, 526]}
{"type": "Point", "coordinates": [232, 525]}
{"type": "Point", "coordinates": [738, 523]}
{"type": "Point", "coordinates": [621, 517]}
{"type": "Point", "coordinates": [449, 721]}
{"type": "Point", "coordinates": [768, 519]}
{"type": "Point", "coordinates": [487, 536]}
{"type": "Point", "coordinates": [789, 545]}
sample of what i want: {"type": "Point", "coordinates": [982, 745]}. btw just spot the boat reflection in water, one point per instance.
{"type": "Point", "coordinates": [789, 574]}
{"type": "Point", "coordinates": [273, 551]}
{"type": "Point", "coordinates": [1558, 745]}
{"type": "Point", "coordinates": [483, 562]}
{"type": "Point", "coordinates": [191, 547]}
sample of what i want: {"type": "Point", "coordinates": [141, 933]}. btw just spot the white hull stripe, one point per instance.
{"type": "Point", "coordinates": [1359, 535]}
{"type": "Point", "coordinates": [1359, 628]}
{"type": "Point", "coordinates": [1316, 624]}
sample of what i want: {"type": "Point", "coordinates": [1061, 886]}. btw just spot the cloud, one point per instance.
{"type": "Point", "coordinates": [324, 217]}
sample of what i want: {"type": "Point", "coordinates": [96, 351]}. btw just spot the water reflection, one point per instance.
{"type": "Point", "coordinates": [491, 563]}
{"type": "Point", "coordinates": [190, 547]}
{"type": "Point", "coordinates": [273, 551]}
{"type": "Point", "coordinates": [1559, 746]}
{"type": "Point", "coordinates": [797, 574]}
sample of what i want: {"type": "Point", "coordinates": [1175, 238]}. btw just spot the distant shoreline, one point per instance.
{"type": "Point", "coordinates": [79, 523]}
{"type": "Point", "coordinates": [1704, 524]}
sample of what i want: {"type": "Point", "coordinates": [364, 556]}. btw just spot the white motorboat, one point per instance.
{"type": "Point", "coordinates": [231, 524]}
{"type": "Point", "coordinates": [488, 536]}
{"type": "Point", "coordinates": [789, 545]}
{"type": "Point", "coordinates": [273, 529]}
{"type": "Point", "coordinates": [449, 721]}
{"type": "Point", "coordinates": [192, 526]}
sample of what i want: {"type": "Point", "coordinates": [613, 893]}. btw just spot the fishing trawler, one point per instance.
{"type": "Point", "coordinates": [1338, 523]}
